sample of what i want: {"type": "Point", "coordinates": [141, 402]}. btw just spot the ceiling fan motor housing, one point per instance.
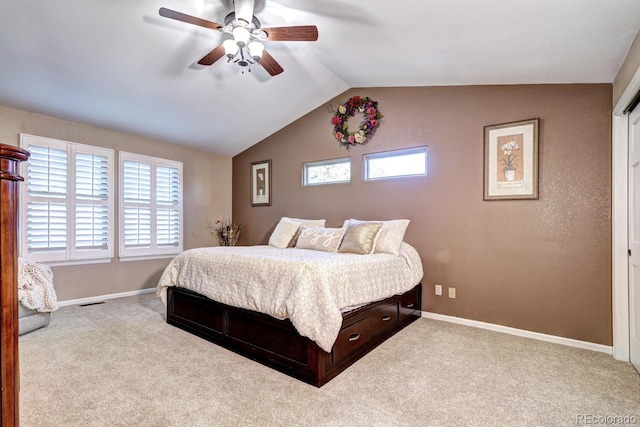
{"type": "Point", "coordinates": [231, 17]}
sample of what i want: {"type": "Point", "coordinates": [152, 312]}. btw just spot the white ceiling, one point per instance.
{"type": "Point", "coordinates": [117, 64]}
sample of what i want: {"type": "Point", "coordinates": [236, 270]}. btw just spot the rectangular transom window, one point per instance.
{"type": "Point", "coordinates": [333, 171]}
{"type": "Point", "coordinates": [66, 216]}
{"type": "Point", "coordinates": [151, 207]}
{"type": "Point", "coordinates": [409, 162]}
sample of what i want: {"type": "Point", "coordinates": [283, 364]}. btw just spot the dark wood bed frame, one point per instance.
{"type": "Point", "coordinates": [277, 344]}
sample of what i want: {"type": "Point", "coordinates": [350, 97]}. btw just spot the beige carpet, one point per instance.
{"type": "Point", "coordinates": [120, 364]}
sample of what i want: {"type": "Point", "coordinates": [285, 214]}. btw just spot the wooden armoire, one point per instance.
{"type": "Point", "coordinates": [10, 157]}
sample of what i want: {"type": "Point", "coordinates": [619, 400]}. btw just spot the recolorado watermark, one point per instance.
{"type": "Point", "coordinates": [592, 419]}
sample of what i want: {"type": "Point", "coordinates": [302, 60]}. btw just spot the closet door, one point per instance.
{"type": "Point", "coordinates": [634, 238]}
{"type": "Point", "coordinates": [10, 156]}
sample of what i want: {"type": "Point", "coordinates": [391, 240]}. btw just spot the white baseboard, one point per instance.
{"type": "Point", "coordinates": [435, 316]}
{"type": "Point", "coordinates": [91, 300]}
{"type": "Point", "coordinates": [520, 332]}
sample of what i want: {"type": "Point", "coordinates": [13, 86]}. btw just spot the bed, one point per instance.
{"type": "Point", "coordinates": [307, 313]}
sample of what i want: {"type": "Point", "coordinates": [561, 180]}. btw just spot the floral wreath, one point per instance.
{"type": "Point", "coordinates": [367, 127]}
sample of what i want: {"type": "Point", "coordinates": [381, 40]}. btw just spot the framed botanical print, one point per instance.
{"type": "Point", "coordinates": [511, 160]}
{"type": "Point", "coordinates": [261, 183]}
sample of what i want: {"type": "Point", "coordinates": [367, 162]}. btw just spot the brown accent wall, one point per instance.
{"type": "Point", "coordinates": [540, 265]}
{"type": "Point", "coordinates": [207, 196]}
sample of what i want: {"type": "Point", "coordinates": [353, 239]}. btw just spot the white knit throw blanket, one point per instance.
{"type": "Point", "coordinates": [35, 286]}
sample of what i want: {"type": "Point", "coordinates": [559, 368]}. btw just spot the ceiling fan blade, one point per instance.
{"type": "Point", "coordinates": [270, 64]}
{"type": "Point", "coordinates": [300, 33]}
{"type": "Point", "coordinates": [179, 16]}
{"type": "Point", "coordinates": [244, 9]}
{"type": "Point", "coordinates": [212, 56]}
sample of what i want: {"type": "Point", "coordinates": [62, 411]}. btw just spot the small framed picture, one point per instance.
{"type": "Point", "coordinates": [511, 160]}
{"type": "Point", "coordinates": [261, 183]}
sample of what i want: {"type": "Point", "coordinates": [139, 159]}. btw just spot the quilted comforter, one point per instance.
{"type": "Point", "coordinates": [308, 287]}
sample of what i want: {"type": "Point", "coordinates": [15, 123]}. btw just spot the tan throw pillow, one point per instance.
{"type": "Point", "coordinates": [320, 238]}
{"type": "Point", "coordinates": [391, 236]}
{"type": "Point", "coordinates": [359, 238]}
{"type": "Point", "coordinates": [306, 223]}
{"type": "Point", "coordinates": [284, 232]}
{"type": "Point", "coordinates": [348, 222]}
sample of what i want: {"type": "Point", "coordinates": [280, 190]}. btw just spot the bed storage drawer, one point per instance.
{"type": "Point", "coordinates": [363, 330]}
{"type": "Point", "coordinates": [385, 316]}
{"type": "Point", "coordinates": [410, 304]}
{"type": "Point", "coordinates": [352, 337]}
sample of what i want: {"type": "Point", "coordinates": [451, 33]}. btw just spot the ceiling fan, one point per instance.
{"type": "Point", "coordinates": [244, 36]}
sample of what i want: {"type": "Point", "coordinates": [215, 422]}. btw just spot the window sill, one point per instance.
{"type": "Point", "coordinates": [63, 263]}
{"type": "Point", "coordinates": [147, 257]}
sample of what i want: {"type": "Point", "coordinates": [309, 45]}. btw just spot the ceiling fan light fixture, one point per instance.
{"type": "Point", "coordinates": [255, 50]}
{"type": "Point", "coordinates": [230, 48]}
{"type": "Point", "coordinates": [241, 36]}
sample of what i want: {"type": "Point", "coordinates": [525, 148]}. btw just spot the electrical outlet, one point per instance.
{"type": "Point", "coordinates": [452, 292]}
{"type": "Point", "coordinates": [438, 289]}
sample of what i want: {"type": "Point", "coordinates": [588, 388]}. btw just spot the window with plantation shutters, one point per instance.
{"type": "Point", "coordinates": [92, 201]}
{"type": "Point", "coordinates": [168, 198]}
{"type": "Point", "coordinates": [67, 208]}
{"type": "Point", "coordinates": [150, 206]}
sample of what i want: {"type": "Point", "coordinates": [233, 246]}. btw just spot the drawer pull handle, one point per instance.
{"type": "Point", "coordinates": [385, 318]}
{"type": "Point", "coordinates": [410, 305]}
{"type": "Point", "coordinates": [354, 337]}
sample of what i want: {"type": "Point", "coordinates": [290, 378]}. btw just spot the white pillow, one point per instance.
{"type": "Point", "coordinates": [284, 232]}
{"type": "Point", "coordinates": [390, 236]}
{"type": "Point", "coordinates": [320, 238]}
{"type": "Point", "coordinates": [306, 223]}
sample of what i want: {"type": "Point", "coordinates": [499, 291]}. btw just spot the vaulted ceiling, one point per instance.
{"type": "Point", "coordinates": [118, 64]}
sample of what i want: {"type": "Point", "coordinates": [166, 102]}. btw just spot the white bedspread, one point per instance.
{"type": "Point", "coordinates": [306, 286]}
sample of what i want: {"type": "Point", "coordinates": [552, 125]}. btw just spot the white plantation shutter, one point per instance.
{"type": "Point", "coordinates": [67, 216]}
{"type": "Point", "coordinates": [47, 171]}
{"type": "Point", "coordinates": [92, 201]}
{"type": "Point", "coordinates": [137, 227]}
{"type": "Point", "coordinates": [46, 211]}
{"type": "Point", "coordinates": [137, 204]}
{"type": "Point", "coordinates": [46, 226]}
{"type": "Point", "coordinates": [151, 206]}
{"type": "Point", "coordinates": [168, 223]}
{"type": "Point", "coordinates": [168, 197]}
{"type": "Point", "coordinates": [92, 231]}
